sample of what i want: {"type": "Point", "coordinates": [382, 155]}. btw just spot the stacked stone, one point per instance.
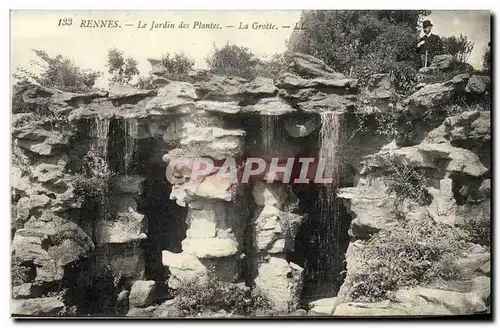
{"type": "Point", "coordinates": [217, 214]}
{"type": "Point", "coordinates": [121, 230]}
{"type": "Point", "coordinates": [274, 227]}
{"type": "Point", "coordinates": [44, 240]}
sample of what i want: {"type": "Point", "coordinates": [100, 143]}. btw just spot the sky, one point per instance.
{"type": "Point", "coordinates": [87, 47]}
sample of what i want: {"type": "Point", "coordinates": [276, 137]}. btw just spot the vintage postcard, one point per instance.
{"type": "Point", "coordinates": [250, 164]}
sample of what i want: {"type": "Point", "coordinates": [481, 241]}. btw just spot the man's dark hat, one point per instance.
{"type": "Point", "coordinates": [426, 23]}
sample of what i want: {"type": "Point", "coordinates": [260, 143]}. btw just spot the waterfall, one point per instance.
{"type": "Point", "coordinates": [100, 135]}
{"type": "Point", "coordinates": [131, 128]}
{"type": "Point", "coordinates": [269, 131]}
{"type": "Point", "coordinates": [327, 233]}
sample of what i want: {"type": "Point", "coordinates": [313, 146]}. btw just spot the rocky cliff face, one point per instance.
{"type": "Point", "coordinates": [233, 231]}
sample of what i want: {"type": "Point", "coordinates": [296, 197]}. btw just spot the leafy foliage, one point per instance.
{"type": "Point", "coordinates": [178, 66]}
{"type": "Point", "coordinates": [232, 60]}
{"type": "Point", "coordinates": [487, 59]}
{"type": "Point", "coordinates": [413, 252]}
{"type": "Point", "coordinates": [408, 183]}
{"type": "Point", "coordinates": [92, 183]}
{"type": "Point", "coordinates": [145, 83]}
{"type": "Point", "coordinates": [122, 69]}
{"type": "Point", "coordinates": [19, 272]}
{"type": "Point", "coordinates": [58, 72]}
{"type": "Point", "coordinates": [456, 68]}
{"type": "Point", "coordinates": [196, 296]}
{"type": "Point", "coordinates": [479, 230]}
{"type": "Point", "coordinates": [459, 47]}
{"type": "Point", "coordinates": [359, 41]}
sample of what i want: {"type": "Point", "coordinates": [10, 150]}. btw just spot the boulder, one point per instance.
{"type": "Point", "coordinates": [276, 195]}
{"type": "Point", "coordinates": [435, 95]}
{"type": "Point", "coordinates": [210, 247]}
{"type": "Point", "coordinates": [466, 162]}
{"type": "Point", "coordinates": [455, 303]}
{"type": "Point", "coordinates": [37, 307]}
{"type": "Point", "coordinates": [122, 91]}
{"type": "Point", "coordinates": [443, 207]}
{"type": "Point", "coordinates": [214, 142]}
{"type": "Point", "coordinates": [300, 128]}
{"type": "Point", "coordinates": [187, 267]}
{"type": "Point", "coordinates": [19, 181]}
{"type": "Point", "coordinates": [51, 246]}
{"type": "Point", "coordinates": [478, 85]}
{"type": "Point", "coordinates": [469, 126]}
{"type": "Point", "coordinates": [143, 293]}
{"type": "Point", "coordinates": [157, 67]}
{"type": "Point", "coordinates": [259, 87]}
{"type": "Point", "coordinates": [175, 97]}
{"type": "Point", "coordinates": [275, 230]}
{"type": "Point", "coordinates": [125, 260]}
{"type": "Point", "coordinates": [281, 282]}
{"type": "Point", "coordinates": [327, 102]}
{"type": "Point", "coordinates": [324, 306]}
{"type": "Point", "coordinates": [45, 172]}
{"type": "Point", "coordinates": [270, 106]}
{"type": "Point", "coordinates": [442, 62]}
{"type": "Point", "coordinates": [372, 209]}
{"type": "Point", "coordinates": [166, 309]}
{"type": "Point", "coordinates": [128, 227]}
{"type": "Point", "coordinates": [26, 290]}
{"type": "Point", "coordinates": [227, 107]}
{"type": "Point", "coordinates": [311, 66]}
{"type": "Point", "coordinates": [231, 88]}
{"type": "Point", "coordinates": [378, 87]}
{"type": "Point", "coordinates": [341, 86]}
{"type": "Point", "coordinates": [122, 303]}
{"type": "Point", "coordinates": [141, 312]}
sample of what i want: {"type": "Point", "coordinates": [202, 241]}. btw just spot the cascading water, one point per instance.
{"type": "Point", "coordinates": [269, 129]}
{"type": "Point", "coordinates": [131, 128]}
{"type": "Point", "coordinates": [100, 135]}
{"type": "Point", "coordinates": [328, 227]}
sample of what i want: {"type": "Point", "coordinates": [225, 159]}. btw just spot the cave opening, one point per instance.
{"type": "Point", "coordinates": [320, 245]}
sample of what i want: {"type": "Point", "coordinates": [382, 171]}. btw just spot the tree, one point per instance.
{"type": "Point", "coordinates": [459, 47]}
{"type": "Point", "coordinates": [178, 66]}
{"type": "Point", "coordinates": [122, 69]}
{"type": "Point", "coordinates": [58, 72]}
{"type": "Point", "coordinates": [487, 58]}
{"type": "Point", "coordinates": [358, 41]}
{"type": "Point", "coordinates": [232, 60]}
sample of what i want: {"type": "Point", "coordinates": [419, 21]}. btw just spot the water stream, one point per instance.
{"type": "Point", "coordinates": [131, 128]}
{"type": "Point", "coordinates": [269, 132]}
{"type": "Point", "coordinates": [328, 232]}
{"type": "Point", "coordinates": [100, 136]}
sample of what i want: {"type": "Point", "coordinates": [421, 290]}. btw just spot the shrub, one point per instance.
{"type": "Point", "coordinates": [232, 60]}
{"type": "Point", "coordinates": [58, 72]}
{"type": "Point", "coordinates": [478, 230]}
{"type": "Point", "coordinates": [196, 296]}
{"type": "Point", "coordinates": [408, 183]}
{"type": "Point", "coordinates": [19, 272]}
{"type": "Point", "coordinates": [403, 76]}
{"type": "Point", "coordinates": [358, 40]}
{"type": "Point", "coordinates": [459, 47]}
{"type": "Point", "coordinates": [92, 183]}
{"type": "Point", "coordinates": [145, 83]}
{"type": "Point", "coordinates": [178, 66]}
{"type": "Point", "coordinates": [487, 59]}
{"type": "Point", "coordinates": [413, 252]}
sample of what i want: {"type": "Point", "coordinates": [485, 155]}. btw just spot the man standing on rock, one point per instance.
{"type": "Point", "coordinates": [429, 45]}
